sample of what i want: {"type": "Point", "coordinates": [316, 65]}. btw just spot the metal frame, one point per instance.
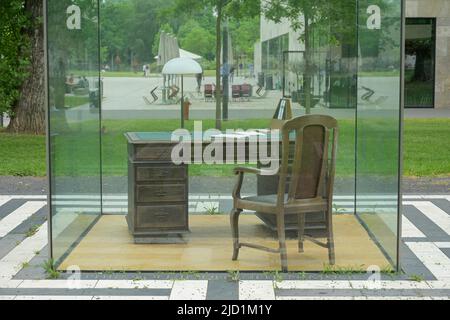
{"type": "Point", "coordinates": [48, 142]}
{"type": "Point", "coordinates": [400, 142]}
{"type": "Point", "coordinates": [400, 145]}
{"type": "Point", "coordinates": [48, 131]}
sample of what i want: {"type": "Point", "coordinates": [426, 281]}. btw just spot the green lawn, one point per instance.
{"type": "Point", "coordinates": [425, 151]}
{"type": "Point", "coordinates": [75, 101]}
{"type": "Point", "coordinates": [22, 155]}
{"type": "Point", "coordinates": [130, 74]}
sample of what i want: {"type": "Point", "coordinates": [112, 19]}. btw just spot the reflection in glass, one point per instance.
{"type": "Point", "coordinates": [336, 64]}
{"type": "Point", "coordinates": [74, 121]}
{"type": "Point", "coordinates": [378, 119]}
{"type": "Point", "coordinates": [420, 62]}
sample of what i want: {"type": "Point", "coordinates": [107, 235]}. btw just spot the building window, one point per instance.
{"type": "Point", "coordinates": [420, 62]}
{"type": "Point", "coordinates": [272, 61]}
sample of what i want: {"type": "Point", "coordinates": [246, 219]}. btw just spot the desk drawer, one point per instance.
{"type": "Point", "coordinates": [161, 217]}
{"type": "Point", "coordinates": [161, 193]}
{"type": "Point", "coordinates": [147, 173]}
{"type": "Point", "coordinates": [153, 152]}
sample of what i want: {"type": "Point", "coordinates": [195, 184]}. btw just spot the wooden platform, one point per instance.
{"type": "Point", "coordinates": [109, 247]}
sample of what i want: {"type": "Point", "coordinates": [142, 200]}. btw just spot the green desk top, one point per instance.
{"type": "Point", "coordinates": [166, 137]}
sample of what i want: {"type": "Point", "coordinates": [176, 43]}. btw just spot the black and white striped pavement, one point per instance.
{"type": "Point", "coordinates": [23, 251]}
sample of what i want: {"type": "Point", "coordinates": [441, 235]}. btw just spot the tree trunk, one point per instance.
{"type": "Point", "coordinates": [226, 75]}
{"type": "Point", "coordinates": [218, 58]}
{"type": "Point", "coordinates": [419, 71]}
{"type": "Point", "coordinates": [307, 77]}
{"type": "Point", "coordinates": [29, 111]}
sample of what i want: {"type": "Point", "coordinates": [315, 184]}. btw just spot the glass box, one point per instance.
{"type": "Point", "coordinates": [108, 98]}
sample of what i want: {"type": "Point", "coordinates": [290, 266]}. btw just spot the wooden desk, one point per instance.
{"type": "Point", "coordinates": [158, 190]}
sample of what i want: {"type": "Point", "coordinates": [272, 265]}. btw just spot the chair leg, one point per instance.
{"type": "Point", "coordinates": [234, 219]}
{"type": "Point", "coordinates": [281, 230]}
{"type": "Point", "coordinates": [330, 240]}
{"type": "Point", "coordinates": [301, 232]}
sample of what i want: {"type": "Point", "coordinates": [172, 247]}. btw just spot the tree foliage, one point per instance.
{"type": "Point", "coordinates": [130, 29]}
{"type": "Point", "coordinates": [14, 52]}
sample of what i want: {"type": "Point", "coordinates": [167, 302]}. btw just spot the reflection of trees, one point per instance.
{"type": "Point", "coordinates": [336, 23]}
{"type": "Point", "coordinates": [421, 49]}
{"type": "Point", "coordinates": [324, 19]}
{"type": "Point", "coordinates": [297, 68]}
{"type": "Point", "coordinates": [69, 51]}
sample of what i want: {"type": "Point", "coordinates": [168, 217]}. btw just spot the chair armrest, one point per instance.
{"type": "Point", "coordinates": [260, 172]}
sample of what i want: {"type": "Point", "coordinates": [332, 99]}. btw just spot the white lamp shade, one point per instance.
{"type": "Point", "coordinates": [182, 66]}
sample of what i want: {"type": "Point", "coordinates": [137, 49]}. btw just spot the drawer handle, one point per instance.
{"type": "Point", "coordinates": [164, 172]}
{"type": "Point", "coordinates": [161, 216]}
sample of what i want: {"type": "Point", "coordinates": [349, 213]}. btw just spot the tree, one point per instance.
{"type": "Point", "coordinates": [28, 113]}
{"type": "Point", "coordinates": [421, 48]}
{"type": "Point", "coordinates": [195, 38]}
{"type": "Point", "coordinates": [130, 29]}
{"type": "Point", "coordinates": [222, 9]}
{"type": "Point", "coordinates": [14, 52]}
{"type": "Point", "coordinates": [244, 33]}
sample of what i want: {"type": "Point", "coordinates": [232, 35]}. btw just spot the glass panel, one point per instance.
{"type": "Point", "coordinates": [378, 120]}
{"type": "Point", "coordinates": [74, 114]}
{"type": "Point", "coordinates": [420, 62]}
{"type": "Point", "coordinates": [269, 72]}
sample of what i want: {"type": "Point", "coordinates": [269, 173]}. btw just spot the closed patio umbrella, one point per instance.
{"type": "Point", "coordinates": [182, 66]}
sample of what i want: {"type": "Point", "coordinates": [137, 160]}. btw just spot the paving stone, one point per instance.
{"type": "Point", "coordinates": [9, 242]}
{"type": "Point", "coordinates": [428, 227]}
{"type": "Point", "coordinates": [10, 206]}
{"type": "Point", "coordinates": [446, 251]}
{"type": "Point", "coordinates": [35, 220]}
{"type": "Point", "coordinates": [443, 204]}
{"type": "Point", "coordinates": [222, 290]}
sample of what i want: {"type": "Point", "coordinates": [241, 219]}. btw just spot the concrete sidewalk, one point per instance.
{"type": "Point", "coordinates": [425, 260]}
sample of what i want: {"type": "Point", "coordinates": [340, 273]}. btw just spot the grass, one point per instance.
{"type": "Point", "coordinates": [342, 270]}
{"type": "Point", "coordinates": [233, 276]}
{"type": "Point", "coordinates": [416, 278]}
{"type": "Point", "coordinates": [393, 73]}
{"type": "Point", "coordinates": [75, 101]}
{"type": "Point", "coordinates": [50, 271]}
{"type": "Point", "coordinates": [127, 74]}
{"type": "Point", "coordinates": [212, 210]}
{"type": "Point", "coordinates": [22, 155]}
{"type": "Point", "coordinates": [32, 231]}
{"type": "Point", "coordinates": [425, 151]}
{"type": "Point", "coordinates": [131, 74]}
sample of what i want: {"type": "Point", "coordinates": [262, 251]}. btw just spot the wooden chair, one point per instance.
{"type": "Point", "coordinates": [305, 184]}
{"type": "Point", "coordinates": [246, 91]}
{"type": "Point", "coordinates": [261, 92]}
{"type": "Point", "coordinates": [153, 94]}
{"type": "Point", "coordinates": [209, 92]}
{"type": "Point", "coordinates": [174, 92]}
{"type": "Point", "coordinates": [236, 92]}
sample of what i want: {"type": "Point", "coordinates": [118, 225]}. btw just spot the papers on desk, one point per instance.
{"type": "Point", "coordinates": [238, 135]}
